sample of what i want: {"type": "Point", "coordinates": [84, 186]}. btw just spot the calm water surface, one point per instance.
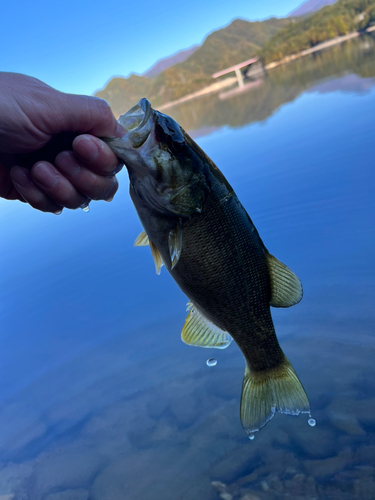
{"type": "Point", "coordinates": [100, 399]}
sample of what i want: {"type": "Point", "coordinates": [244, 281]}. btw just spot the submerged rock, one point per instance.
{"type": "Point", "coordinates": [226, 496]}
{"type": "Point", "coordinates": [249, 496]}
{"type": "Point", "coordinates": [329, 466]}
{"type": "Point", "coordinates": [364, 488]}
{"type": "Point", "coordinates": [316, 442]}
{"type": "Point", "coordinates": [68, 495]}
{"type": "Point", "coordinates": [300, 485]}
{"type": "Point", "coordinates": [342, 413]}
{"type": "Point", "coordinates": [219, 486]}
{"type": "Point", "coordinates": [222, 489]}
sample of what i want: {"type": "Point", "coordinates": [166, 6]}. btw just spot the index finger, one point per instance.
{"type": "Point", "coordinates": [84, 114]}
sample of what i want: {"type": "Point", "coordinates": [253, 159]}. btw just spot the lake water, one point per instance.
{"type": "Point", "coordinates": [100, 399]}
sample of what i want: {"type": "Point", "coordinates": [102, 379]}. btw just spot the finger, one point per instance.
{"type": "Point", "coordinates": [92, 185]}
{"type": "Point", "coordinates": [25, 186]}
{"type": "Point", "coordinates": [50, 181]}
{"type": "Point", "coordinates": [7, 189]}
{"type": "Point", "coordinates": [96, 155]}
{"type": "Point", "coordinates": [86, 114]}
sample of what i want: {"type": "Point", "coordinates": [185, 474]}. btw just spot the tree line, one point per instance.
{"type": "Point", "coordinates": [338, 19]}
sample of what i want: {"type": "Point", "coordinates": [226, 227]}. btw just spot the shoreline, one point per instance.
{"type": "Point", "coordinates": [319, 46]}
{"type": "Point", "coordinates": [215, 87]}
{"type": "Point", "coordinates": [206, 90]}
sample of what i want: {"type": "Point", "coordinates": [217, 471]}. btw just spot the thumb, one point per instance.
{"type": "Point", "coordinates": [86, 115]}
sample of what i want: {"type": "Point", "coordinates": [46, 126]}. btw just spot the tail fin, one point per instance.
{"type": "Point", "coordinates": [264, 393]}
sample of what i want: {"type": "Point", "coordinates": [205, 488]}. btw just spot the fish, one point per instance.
{"type": "Point", "coordinates": [197, 228]}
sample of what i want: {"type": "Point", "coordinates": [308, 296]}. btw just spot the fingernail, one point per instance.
{"type": "Point", "coordinates": [116, 170]}
{"type": "Point", "coordinates": [86, 147]}
{"type": "Point", "coordinates": [20, 176]}
{"type": "Point", "coordinates": [109, 199]}
{"type": "Point", "coordinates": [44, 174]}
{"type": "Point", "coordinates": [59, 212]}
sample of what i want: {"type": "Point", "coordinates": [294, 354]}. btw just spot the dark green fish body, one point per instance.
{"type": "Point", "coordinates": [196, 226]}
{"type": "Point", "coordinates": [222, 269]}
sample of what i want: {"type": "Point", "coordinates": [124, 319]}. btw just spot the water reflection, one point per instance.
{"type": "Point", "coordinates": [100, 400]}
{"type": "Point", "coordinates": [281, 85]}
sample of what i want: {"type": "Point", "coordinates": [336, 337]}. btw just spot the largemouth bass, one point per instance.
{"type": "Point", "coordinates": [197, 228]}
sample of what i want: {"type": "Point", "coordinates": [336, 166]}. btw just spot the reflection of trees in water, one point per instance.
{"type": "Point", "coordinates": [281, 85]}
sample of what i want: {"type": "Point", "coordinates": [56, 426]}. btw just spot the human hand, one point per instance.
{"type": "Point", "coordinates": [50, 153]}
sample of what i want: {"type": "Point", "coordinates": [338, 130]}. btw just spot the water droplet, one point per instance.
{"type": "Point", "coordinates": [251, 436]}
{"type": "Point", "coordinates": [311, 422]}
{"type": "Point", "coordinates": [86, 208]}
{"type": "Point", "coordinates": [211, 362]}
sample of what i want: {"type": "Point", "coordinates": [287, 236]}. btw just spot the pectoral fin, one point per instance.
{"type": "Point", "coordinates": [157, 258]}
{"type": "Point", "coordinates": [142, 240]}
{"type": "Point", "coordinates": [175, 244]}
{"type": "Point", "coordinates": [286, 288]}
{"type": "Point", "coordinates": [199, 331]}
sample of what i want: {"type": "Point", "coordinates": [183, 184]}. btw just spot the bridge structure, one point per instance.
{"type": "Point", "coordinates": [237, 69]}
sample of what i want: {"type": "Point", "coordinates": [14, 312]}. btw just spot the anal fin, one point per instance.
{"type": "Point", "coordinates": [286, 288]}
{"type": "Point", "coordinates": [199, 331]}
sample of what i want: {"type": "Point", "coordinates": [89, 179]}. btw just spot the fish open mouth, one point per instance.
{"type": "Point", "coordinates": [138, 123]}
{"type": "Point", "coordinates": [137, 116]}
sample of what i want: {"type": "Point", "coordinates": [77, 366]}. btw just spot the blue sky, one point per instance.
{"type": "Point", "coordinates": [77, 46]}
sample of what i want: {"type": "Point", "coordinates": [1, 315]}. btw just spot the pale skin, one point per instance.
{"type": "Point", "coordinates": [50, 153]}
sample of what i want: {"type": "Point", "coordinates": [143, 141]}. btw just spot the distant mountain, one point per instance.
{"type": "Point", "coordinates": [237, 42]}
{"type": "Point", "coordinates": [310, 6]}
{"type": "Point", "coordinates": [233, 44]}
{"type": "Point", "coordinates": [167, 62]}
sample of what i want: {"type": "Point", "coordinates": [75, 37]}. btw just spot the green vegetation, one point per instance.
{"type": "Point", "coordinates": [283, 84]}
{"type": "Point", "coordinates": [235, 43]}
{"type": "Point", "coordinates": [272, 40]}
{"type": "Point", "coordinates": [341, 18]}
{"type": "Point", "coordinates": [123, 93]}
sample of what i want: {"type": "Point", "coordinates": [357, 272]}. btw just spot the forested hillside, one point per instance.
{"type": "Point", "coordinates": [341, 18]}
{"type": "Point", "coordinates": [272, 40]}
{"type": "Point", "coordinates": [230, 45]}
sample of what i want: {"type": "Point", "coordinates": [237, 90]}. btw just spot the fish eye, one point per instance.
{"type": "Point", "coordinates": [177, 146]}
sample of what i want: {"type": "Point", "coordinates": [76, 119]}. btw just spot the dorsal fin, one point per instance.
{"type": "Point", "coordinates": [286, 288]}
{"type": "Point", "coordinates": [142, 240]}
{"type": "Point", "coordinates": [199, 331]}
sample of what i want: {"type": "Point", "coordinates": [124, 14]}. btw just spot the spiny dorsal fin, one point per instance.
{"type": "Point", "coordinates": [142, 240]}
{"type": "Point", "coordinates": [286, 288]}
{"type": "Point", "coordinates": [199, 331]}
{"type": "Point", "coordinates": [175, 244]}
{"type": "Point", "coordinates": [157, 257]}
